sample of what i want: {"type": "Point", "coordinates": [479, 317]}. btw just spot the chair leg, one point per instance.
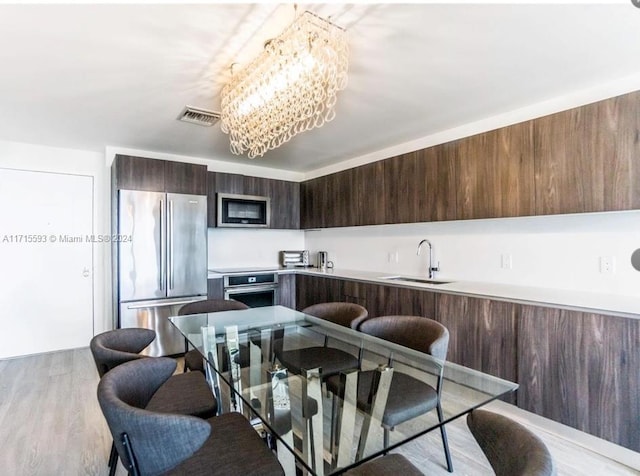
{"type": "Point", "coordinates": [186, 349]}
{"type": "Point", "coordinates": [113, 460]}
{"type": "Point", "coordinates": [445, 443]}
{"type": "Point", "coordinates": [385, 439]}
{"type": "Point", "coordinates": [113, 455]}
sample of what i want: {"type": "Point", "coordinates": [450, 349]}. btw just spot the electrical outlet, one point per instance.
{"type": "Point", "coordinates": [607, 264]}
{"type": "Point", "coordinates": [392, 257]}
{"type": "Point", "coordinates": [506, 261]}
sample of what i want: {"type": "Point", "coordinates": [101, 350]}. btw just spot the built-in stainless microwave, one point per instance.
{"type": "Point", "coordinates": [243, 210]}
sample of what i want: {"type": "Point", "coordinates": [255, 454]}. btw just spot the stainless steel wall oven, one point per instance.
{"type": "Point", "coordinates": [255, 290]}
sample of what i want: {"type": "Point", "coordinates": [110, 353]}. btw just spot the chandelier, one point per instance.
{"type": "Point", "coordinates": [288, 89]}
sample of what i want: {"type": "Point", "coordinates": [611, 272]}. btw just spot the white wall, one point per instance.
{"type": "Point", "coordinates": [14, 155]}
{"type": "Point", "coordinates": [241, 248]}
{"type": "Point", "coordinates": [552, 251]}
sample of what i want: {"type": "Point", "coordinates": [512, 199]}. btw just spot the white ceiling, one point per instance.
{"type": "Point", "coordinates": [91, 76]}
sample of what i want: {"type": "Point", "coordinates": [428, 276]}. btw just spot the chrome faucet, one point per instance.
{"type": "Point", "coordinates": [432, 269]}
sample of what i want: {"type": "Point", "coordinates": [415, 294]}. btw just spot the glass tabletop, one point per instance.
{"type": "Point", "coordinates": [326, 426]}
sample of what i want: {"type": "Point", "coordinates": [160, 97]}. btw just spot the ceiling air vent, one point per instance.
{"type": "Point", "coordinates": [202, 117]}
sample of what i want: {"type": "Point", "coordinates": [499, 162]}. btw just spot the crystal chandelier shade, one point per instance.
{"type": "Point", "coordinates": [288, 89]}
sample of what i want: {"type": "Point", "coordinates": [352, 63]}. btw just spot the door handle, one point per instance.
{"type": "Point", "coordinates": [160, 250]}
{"type": "Point", "coordinates": [170, 265]}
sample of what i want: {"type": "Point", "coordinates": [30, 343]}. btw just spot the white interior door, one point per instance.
{"type": "Point", "coordinates": [46, 262]}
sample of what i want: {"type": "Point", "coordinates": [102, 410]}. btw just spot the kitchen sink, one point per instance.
{"type": "Point", "coordinates": [415, 280]}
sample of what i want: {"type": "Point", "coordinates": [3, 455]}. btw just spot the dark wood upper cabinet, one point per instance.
{"type": "Point", "coordinates": [228, 183]}
{"type": "Point", "coordinates": [285, 196]}
{"type": "Point", "coordinates": [581, 369]}
{"type": "Point", "coordinates": [371, 199]}
{"type": "Point", "coordinates": [138, 173]}
{"type": "Point", "coordinates": [586, 159]}
{"type": "Point", "coordinates": [180, 177]}
{"type": "Point", "coordinates": [402, 189]}
{"type": "Point", "coordinates": [435, 175]}
{"type": "Point", "coordinates": [494, 173]}
{"type": "Point", "coordinates": [255, 186]}
{"type": "Point", "coordinates": [313, 206]}
{"type": "Point", "coordinates": [285, 204]}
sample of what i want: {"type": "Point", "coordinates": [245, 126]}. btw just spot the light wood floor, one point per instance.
{"type": "Point", "coordinates": [51, 424]}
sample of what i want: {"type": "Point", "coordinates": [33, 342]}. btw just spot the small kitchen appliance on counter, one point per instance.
{"type": "Point", "coordinates": [299, 259]}
{"type": "Point", "coordinates": [323, 262]}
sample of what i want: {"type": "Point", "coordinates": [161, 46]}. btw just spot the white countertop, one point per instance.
{"type": "Point", "coordinates": [611, 304]}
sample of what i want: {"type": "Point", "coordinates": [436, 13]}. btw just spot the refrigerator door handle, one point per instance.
{"type": "Point", "coordinates": [170, 265]}
{"type": "Point", "coordinates": [161, 251]}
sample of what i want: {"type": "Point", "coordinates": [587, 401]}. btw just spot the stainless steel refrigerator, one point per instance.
{"type": "Point", "coordinates": [162, 261]}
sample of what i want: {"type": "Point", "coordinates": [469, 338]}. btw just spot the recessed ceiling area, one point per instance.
{"type": "Point", "coordinates": [91, 76]}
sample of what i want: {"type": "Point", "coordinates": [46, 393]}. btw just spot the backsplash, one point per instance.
{"type": "Point", "coordinates": [243, 248]}
{"type": "Point", "coordinates": [562, 251]}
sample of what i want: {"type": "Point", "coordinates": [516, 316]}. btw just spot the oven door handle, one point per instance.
{"type": "Point", "coordinates": [245, 289]}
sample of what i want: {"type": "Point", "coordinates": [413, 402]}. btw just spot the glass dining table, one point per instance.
{"type": "Point", "coordinates": [313, 430]}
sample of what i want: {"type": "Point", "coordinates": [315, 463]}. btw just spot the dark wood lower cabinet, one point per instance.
{"type": "Point", "coordinates": [582, 370]}
{"type": "Point", "coordinates": [287, 290]}
{"type": "Point", "coordinates": [379, 300]}
{"type": "Point", "coordinates": [315, 289]}
{"type": "Point", "coordinates": [215, 288]}
{"type": "Point", "coordinates": [482, 334]}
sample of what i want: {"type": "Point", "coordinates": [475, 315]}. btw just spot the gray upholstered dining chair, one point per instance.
{"type": "Point", "coordinates": [153, 443]}
{"type": "Point", "coordinates": [408, 397]}
{"type": "Point", "coordinates": [388, 465]}
{"type": "Point", "coordinates": [193, 358]}
{"type": "Point", "coordinates": [186, 394]}
{"type": "Point", "coordinates": [331, 360]}
{"type": "Point", "coordinates": [512, 450]}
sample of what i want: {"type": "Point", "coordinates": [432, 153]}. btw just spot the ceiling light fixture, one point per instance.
{"type": "Point", "coordinates": [288, 89]}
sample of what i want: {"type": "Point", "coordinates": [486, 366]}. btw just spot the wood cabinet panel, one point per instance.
{"type": "Point", "coordinates": [377, 300]}
{"type": "Point", "coordinates": [414, 302]}
{"type": "Point", "coordinates": [255, 186]}
{"type": "Point", "coordinates": [287, 290]}
{"type": "Point", "coordinates": [211, 199]}
{"type": "Point", "coordinates": [215, 288]}
{"type": "Point", "coordinates": [315, 289]}
{"type": "Point", "coordinates": [381, 300]}
{"type": "Point", "coordinates": [137, 173]}
{"type": "Point", "coordinates": [312, 203]}
{"type": "Point", "coordinates": [180, 177]}
{"type": "Point", "coordinates": [435, 176]}
{"type": "Point", "coordinates": [482, 334]}
{"type": "Point", "coordinates": [586, 159]}
{"type": "Point", "coordinates": [370, 196]}
{"type": "Point", "coordinates": [229, 183]}
{"type": "Point", "coordinates": [340, 199]}
{"type": "Point", "coordinates": [285, 204]}
{"type": "Point", "coordinates": [402, 189]}
{"type": "Point", "coordinates": [495, 172]}
{"type": "Point", "coordinates": [582, 370]}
